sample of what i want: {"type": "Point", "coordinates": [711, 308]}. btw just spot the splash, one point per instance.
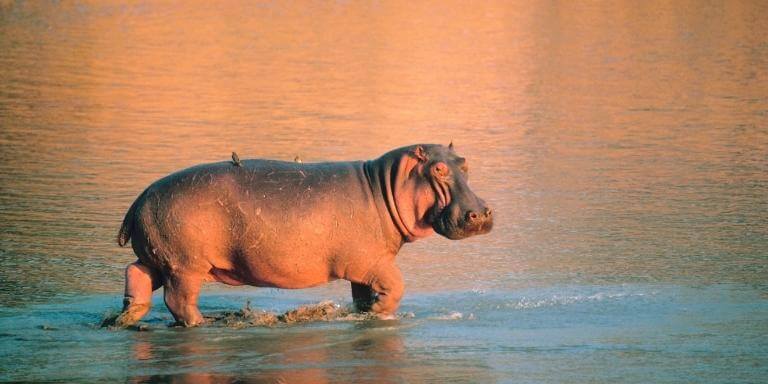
{"type": "Point", "coordinates": [247, 317]}
{"type": "Point", "coordinates": [558, 300]}
{"type": "Point", "coordinates": [323, 311]}
{"type": "Point", "coordinates": [455, 315]}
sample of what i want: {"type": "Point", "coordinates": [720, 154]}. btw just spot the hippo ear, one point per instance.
{"type": "Point", "coordinates": [450, 146]}
{"type": "Point", "coordinates": [419, 153]}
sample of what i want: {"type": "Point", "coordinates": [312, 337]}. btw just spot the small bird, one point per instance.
{"type": "Point", "coordinates": [297, 159]}
{"type": "Point", "coordinates": [236, 160]}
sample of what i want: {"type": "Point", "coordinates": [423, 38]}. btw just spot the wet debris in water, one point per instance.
{"type": "Point", "coordinates": [243, 318]}
{"type": "Point", "coordinates": [108, 319]}
{"type": "Point", "coordinates": [248, 317]}
{"type": "Point", "coordinates": [323, 311]}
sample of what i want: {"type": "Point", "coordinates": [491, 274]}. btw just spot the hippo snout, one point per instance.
{"type": "Point", "coordinates": [474, 217]}
{"type": "Point", "coordinates": [456, 223]}
{"type": "Point", "coordinates": [478, 221]}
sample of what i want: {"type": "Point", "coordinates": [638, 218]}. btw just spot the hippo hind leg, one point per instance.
{"type": "Point", "coordinates": [140, 282]}
{"type": "Point", "coordinates": [181, 292]}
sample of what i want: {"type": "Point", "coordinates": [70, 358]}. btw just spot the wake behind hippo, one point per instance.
{"type": "Point", "coordinates": [280, 224]}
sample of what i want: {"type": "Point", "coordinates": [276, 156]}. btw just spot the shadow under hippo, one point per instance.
{"type": "Point", "coordinates": [270, 223]}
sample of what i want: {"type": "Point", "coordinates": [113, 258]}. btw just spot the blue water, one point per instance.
{"type": "Point", "coordinates": [644, 333]}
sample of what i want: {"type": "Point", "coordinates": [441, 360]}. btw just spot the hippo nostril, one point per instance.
{"type": "Point", "coordinates": [488, 212]}
{"type": "Point", "coordinates": [471, 216]}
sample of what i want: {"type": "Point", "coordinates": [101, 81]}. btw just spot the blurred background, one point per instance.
{"type": "Point", "coordinates": [619, 143]}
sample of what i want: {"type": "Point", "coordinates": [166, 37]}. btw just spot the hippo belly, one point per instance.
{"type": "Point", "coordinates": [274, 267]}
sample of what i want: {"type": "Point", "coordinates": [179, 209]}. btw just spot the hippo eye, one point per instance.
{"type": "Point", "coordinates": [441, 169]}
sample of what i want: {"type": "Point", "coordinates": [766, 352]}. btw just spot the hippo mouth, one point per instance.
{"type": "Point", "coordinates": [446, 227]}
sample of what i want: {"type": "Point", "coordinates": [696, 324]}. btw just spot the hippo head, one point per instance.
{"type": "Point", "coordinates": [457, 213]}
{"type": "Point", "coordinates": [430, 190]}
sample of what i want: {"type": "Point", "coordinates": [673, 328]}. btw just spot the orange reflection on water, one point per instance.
{"type": "Point", "coordinates": [619, 139]}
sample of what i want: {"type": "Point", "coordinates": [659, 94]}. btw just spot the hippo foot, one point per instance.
{"type": "Point", "coordinates": [115, 322]}
{"type": "Point", "coordinates": [130, 315]}
{"type": "Point", "coordinates": [386, 316]}
{"type": "Point", "coordinates": [184, 324]}
{"type": "Point", "coordinates": [203, 321]}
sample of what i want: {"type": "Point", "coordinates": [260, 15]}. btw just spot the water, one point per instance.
{"type": "Point", "coordinates": [622, 146]}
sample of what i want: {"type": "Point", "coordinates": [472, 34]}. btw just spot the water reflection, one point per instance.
{"type": "Point", "coordinates": [366, 352]}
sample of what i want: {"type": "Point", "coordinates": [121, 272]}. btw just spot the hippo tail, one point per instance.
{"type": "Point", "coordinates": [125, 230]}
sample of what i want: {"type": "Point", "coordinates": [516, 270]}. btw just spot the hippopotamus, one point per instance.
{"type": "Point", "coordinates": [291, 225]}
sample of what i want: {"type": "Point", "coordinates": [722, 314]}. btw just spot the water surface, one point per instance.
{"type": "Point", "coordinates": [623, 147]}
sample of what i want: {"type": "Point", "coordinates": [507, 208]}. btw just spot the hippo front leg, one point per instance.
{"type": "Point", "coordinates": [387, 282]}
